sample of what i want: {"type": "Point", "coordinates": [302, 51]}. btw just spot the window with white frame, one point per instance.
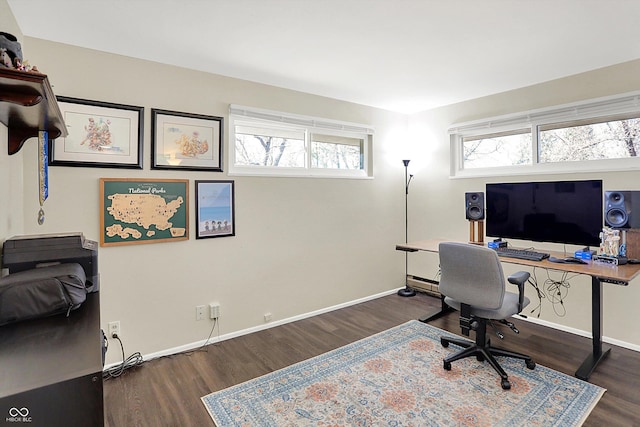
{"type": "Point", "coordinates": [602, 134]}
{"type": "Point", "coordinates": [264, 142]}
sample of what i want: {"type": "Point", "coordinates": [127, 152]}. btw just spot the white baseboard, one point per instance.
{"type": "Point", "coordinates": [579, 332]}
{"type": "Point", "coordinates": [215, 339]}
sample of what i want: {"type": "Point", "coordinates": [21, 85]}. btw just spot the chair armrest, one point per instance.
{"type": "Point", "coordinates": [519, 278]}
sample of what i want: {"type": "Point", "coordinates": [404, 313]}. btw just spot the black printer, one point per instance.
{"type": "Point", "coordinates": [21, 253]}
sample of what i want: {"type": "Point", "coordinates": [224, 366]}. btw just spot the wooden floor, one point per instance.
{"type": "Point", "coordinates": [167, 391]}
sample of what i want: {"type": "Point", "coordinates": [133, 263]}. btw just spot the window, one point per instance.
{"type": "Point", "coordinates": [501, 149]}
{"type": "Point", "coordinates": [604, 138]}
{"type": "Point", "coordinates": [602, 135]}
{"type": "Point", "coordinates": [270, 143]}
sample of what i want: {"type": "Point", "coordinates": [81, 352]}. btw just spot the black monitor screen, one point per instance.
{"type": "Point", "coordinates": [556, 211]}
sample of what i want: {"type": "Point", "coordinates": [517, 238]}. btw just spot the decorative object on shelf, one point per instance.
{"type": "Point", "coordinates": [143, 211]}
{"type": "Point", "coordinates": [11, 49]}
{"type": "Point", "coordinates": [43, 172]}
{"type": "Point", "coordinates": [215, 210]}
{"type": "Point", "coordinates": [407, 291]}
{"type": "Point", "coordinates": [186, 141]}
{"type": "Point", "coordinates": [100, 134]}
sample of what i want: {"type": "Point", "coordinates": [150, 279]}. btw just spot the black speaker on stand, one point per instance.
{"type": "Point", "coordinates": [407, 291]}
{"type": "Point", "coordinates": [474, 211]}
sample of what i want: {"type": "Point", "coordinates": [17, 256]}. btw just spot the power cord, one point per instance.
{"type": "Point", "coordinates": [533, 280]}
{"type": "Point", "coordinates": [204, 347]}
{"type": "Point", "coordinates": [134, 360]}
{"type": "Point", "coordinates": [557, 291]}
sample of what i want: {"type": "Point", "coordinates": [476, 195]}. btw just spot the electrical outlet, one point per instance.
{"type": "Point", "coordinates": [268, 317]}
{"type": "Point", "coordinates": [214, 310]}
{"type": "Point", "coordinates": [200, 312]}
{"type": "Point", "coordinates": [114, 329]}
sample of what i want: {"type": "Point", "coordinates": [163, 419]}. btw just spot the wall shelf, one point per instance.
{"type": "Point", "coordinates": [27, 106]}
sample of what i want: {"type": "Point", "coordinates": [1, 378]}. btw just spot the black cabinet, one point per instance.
{"type": "Point", "coordinates": [51, 370]}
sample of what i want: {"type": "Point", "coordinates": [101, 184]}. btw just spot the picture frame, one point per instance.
{"type": "Point", "coordinates": [100, 134]}
{"type": "Point", "coordinates": [186, 141]}
{"type": "Point", "coordinates": [215, 208]}
{"type": "Point", "coordinates": [134, 210]}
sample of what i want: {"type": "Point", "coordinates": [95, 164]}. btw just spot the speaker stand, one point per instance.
{"type": "Point", "coordinates": [476, 232]}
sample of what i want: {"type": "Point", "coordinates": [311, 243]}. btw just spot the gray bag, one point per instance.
{"type": "Point", "coordinates": [41, 292]}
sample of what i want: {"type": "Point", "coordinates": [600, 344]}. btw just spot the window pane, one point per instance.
{"type": "Point", "coordinates": [257, 146]}
{"type": "Point", "coordinates": [497, 150]}
{"type": "Point", "coordinates": [336, 152]}
{"type": "Point", "coordinates": [614, 139]}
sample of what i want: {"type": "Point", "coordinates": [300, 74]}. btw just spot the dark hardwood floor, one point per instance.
{"type": "Point", "coordinates": [167, 391]}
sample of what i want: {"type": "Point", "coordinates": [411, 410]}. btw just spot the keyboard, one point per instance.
{"type": "Point", "coordinates": [521, 254]}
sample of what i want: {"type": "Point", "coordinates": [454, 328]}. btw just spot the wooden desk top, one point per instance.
{"type": "Point", "coordinates": [620, 274]}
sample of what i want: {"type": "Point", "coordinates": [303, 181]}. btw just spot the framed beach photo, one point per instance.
{"type": "Point", "coordinates": [215, 212]}
{"type": "Point", "coordinates": [186, 141]}
{"type": "Point", "coordinates": [100, 134]}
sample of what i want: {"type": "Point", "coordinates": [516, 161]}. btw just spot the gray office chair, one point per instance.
{"type": "Point", "coordinates": [472, 281]}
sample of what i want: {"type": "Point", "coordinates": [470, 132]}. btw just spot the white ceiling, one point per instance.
{"type": "Point", "coordinates": [400, 55]}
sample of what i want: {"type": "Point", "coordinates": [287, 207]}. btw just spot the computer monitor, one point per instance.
{"type": "Point", "coordinates": [568, 212]}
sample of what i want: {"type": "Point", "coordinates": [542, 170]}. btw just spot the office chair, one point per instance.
{"type": "Point", "coordinates": [472, 282]}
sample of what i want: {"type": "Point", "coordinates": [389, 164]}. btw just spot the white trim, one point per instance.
{"type": "Point", "coordinates": [579, 332]}
{"type": "Point", "coordinates": [249, 116]}
{"type": "Point", "coordinates": [213, 340]}
{"type": "Point", "coordinates": [594, 108]}
{"type": "Point", "coordinates": [616, 104]}
{"type": "Point", "coordinates": [299, 120]}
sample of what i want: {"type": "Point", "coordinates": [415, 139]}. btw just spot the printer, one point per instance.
{"type": "Point", "coordinates": [21, 253]}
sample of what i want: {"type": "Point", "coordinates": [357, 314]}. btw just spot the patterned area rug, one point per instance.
{"type": "Point", "coordinates": [396, 378]}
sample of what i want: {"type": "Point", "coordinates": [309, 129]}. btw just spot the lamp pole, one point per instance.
{"type": "Point", "coordinates": [407, 291]}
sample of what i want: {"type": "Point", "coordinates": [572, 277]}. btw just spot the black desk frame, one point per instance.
{"type": "Point", "coordinates": [598, 354]}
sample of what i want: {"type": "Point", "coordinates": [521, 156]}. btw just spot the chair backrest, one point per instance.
{"type": "Point", "coordinates": [471, 274]}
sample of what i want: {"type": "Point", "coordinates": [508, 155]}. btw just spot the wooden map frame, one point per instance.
{"type": "Point", "coordinates": [173, 193]}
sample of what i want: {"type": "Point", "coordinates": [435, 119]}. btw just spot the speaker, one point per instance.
{"type": "Point", "coordinates": [618, 209]}
{"type": "Point", "coordinates": [474, 206]}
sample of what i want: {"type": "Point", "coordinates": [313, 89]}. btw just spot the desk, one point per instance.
{"type": "Point", "coordinates": [599, 273]}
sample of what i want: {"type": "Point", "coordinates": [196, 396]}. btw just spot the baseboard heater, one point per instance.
{"type": "Point", "coordinates": [421, 284]}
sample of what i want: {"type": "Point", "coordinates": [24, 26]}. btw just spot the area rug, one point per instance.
{"type": "Point", "coordinates": [396, 378]}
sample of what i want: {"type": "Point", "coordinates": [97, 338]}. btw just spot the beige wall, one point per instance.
{"type": "Point", "coordinates": [438, 202]}
{"type": "Point", "coordinates": [301, 245]}
{"type": "Point", "coordinates": [11, 201]}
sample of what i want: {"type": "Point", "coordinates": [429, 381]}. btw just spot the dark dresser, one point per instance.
{"type": "Point", "coordinates": [51, 370]}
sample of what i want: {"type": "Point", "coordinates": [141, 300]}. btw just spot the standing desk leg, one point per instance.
{"type": "Point", "coordinates": [597, 355]}
{"type": "Point", "coordinates": [444, 309]}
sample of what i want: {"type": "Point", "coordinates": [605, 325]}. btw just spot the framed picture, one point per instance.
{"type": "Point", "coordinates": [143, 210]}
{"type": "Point", "coordinates": [215, 212]}
{"type": "Point", "coordinates": [100, 134]}
{"type": "Point", "coordinates": [186, 141]}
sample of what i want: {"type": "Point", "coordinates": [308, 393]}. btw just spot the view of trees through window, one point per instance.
{"type": "Point", "coordinates": [610, 138]}
{"type": "Point", "coordinates": [285, 148]}
{"type": "Point", "coordinates": [606, 140]}
{"type": "Point", "coordinates": [263, 150]}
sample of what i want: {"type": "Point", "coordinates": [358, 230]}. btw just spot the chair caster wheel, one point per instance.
{"type": "Point", "coordinates": [444, 342]}
{"type": "Point", "coordinates": [531, 364]}
{"type": "Point", "coordinates": [447, 366]}
{"type": "Point", "coordinates": [480, 358]}
{"type": "Point", "coordinates": [506, 385]}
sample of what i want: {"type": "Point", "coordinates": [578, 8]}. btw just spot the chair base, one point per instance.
{"type": "Point", "coordinates": [483, 352]}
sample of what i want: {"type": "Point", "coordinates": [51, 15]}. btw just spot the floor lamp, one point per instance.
{"type": "Point", "coordinates": [407, 291]}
